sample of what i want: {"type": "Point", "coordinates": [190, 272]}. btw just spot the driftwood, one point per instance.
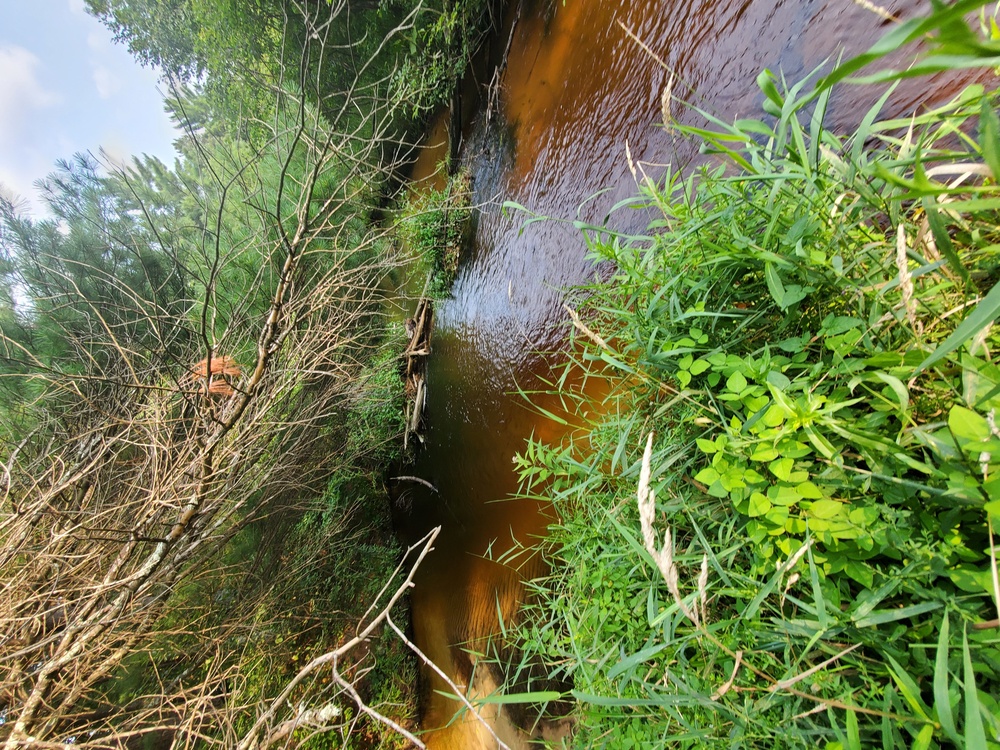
{"type": "Point", "coordinates": [418, 480]}
{"type": "Point", "coordinates": [419, 329]}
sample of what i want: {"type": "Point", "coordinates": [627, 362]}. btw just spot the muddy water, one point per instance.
{"type": "Point", "coordinates": [574, 90]}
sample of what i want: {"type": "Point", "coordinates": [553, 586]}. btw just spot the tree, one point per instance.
{"type": "Point", "coordinates": [254, 261]}
{"type": "Point", "coordinates": [95, 288]}
{"type": "Point", "coordinates": [189, 38]}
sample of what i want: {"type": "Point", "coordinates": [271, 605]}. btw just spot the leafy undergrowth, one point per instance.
{"type": "Point", "coordinates": [433, 224]}
{"type": "Point", "coordinates": [809, 342]}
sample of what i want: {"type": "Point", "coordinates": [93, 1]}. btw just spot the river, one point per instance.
{"type": "Point", "coordinates": [575, 89]}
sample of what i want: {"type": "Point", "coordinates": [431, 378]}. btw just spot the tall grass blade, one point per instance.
{"type": "Point", "coordinates": [864, 128]}
{"type": "Point", "coordinates": [943, 240]}
{"type": "Point", "coordinates": [901, 35]}
{"type": "Point", "coordinates": [818, 598]}
{"type": "Point", "coordinates": [975, 734]}
{"type": "Point", "coordinates": [984, 313]}
{"type": "Point", "coordinates": [924, 738]}
{"type": "Point", "coordinates": [989, 137]}
{"type": "Point", "coordinates": [882, 616]}
{"type": "Point", "coordinates": [908, 687]}
{"type": "Point", "coordinates": [888, 740]}
{"type": "Point", "coordinates": [942, 704]}
{"type": "Point", "coordinates": [541, 696]}
{"type": "Point", "coordinates": [634, 660]}
{"type": "Point", "coordinates": [853, 732]}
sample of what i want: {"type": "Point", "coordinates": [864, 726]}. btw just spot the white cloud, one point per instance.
{"type": "Point", "coordinates": [21, 94]}
{"type": "Point", "coordinates": [77, 7]}
{"type": "Point", "coordinates": [108, 84]}
{"type": "Point", "coordinates": [97, 41]}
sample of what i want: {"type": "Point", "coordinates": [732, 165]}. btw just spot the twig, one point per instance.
{"type": "Point", "coordinates": [501, 745]}
{"type": "Point", "coordinates": [878, 10]}
{"type": "Point", "coordinates": [349, 688]}
{"type": "Point", "coordinates": [582, 327]}
{"type": "Point", "coordinates": [659, 60]}
{"type": "Point", "coordinates": [424, 545]}
{"type": "Point", "coordinates": [418, 480]}
{"type": "Point", "coordinates": [785, 684]}
{"type": "Point", "coordinates": [988, 625]}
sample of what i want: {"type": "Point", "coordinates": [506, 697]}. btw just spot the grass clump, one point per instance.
{"type": "Point", "coordinates": [434, 225]}
{"type": "Point", "coordinates": [802, 341]}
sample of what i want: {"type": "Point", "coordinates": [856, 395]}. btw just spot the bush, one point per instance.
{"type": "Point", "coordinates": [433, 224]}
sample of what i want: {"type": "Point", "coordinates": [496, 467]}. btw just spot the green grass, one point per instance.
{"type": "Point", "coordinates": [434, 224]}
{"type": "Point", "coordinates": [807, 335]}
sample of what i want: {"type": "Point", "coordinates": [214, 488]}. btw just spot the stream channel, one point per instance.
{"type": "Point", "coordinates": [574, 88]}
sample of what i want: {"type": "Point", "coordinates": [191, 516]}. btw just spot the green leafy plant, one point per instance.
{"type": "Point", "coordinates": [808, 335]}
{"type": "Point", "coordinates": [434, 224]}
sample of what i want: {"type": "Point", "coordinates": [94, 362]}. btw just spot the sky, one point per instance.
{"type": "Point", "coordinates": [66, 87]}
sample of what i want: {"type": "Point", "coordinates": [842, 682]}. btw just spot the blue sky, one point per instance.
{"type": "Point", "coordinates": [66, 87]}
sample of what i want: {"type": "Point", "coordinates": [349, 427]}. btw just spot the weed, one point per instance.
{"type": "Point", "coordinates": [809, 340]}
{"type": "Point", "coordinates": [434, 224]}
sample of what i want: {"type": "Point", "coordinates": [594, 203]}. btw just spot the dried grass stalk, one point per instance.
{"type": "Point", "coordinates": [906, 280]}
{"type": "Point", "coordinates": [662, 556]}
{"type": "Point", "coordinates": [584, 329]}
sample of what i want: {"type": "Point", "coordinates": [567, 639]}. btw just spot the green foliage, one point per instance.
{"type": "Point", "coordinates": [331, 567]}
{"type": "Point", "coordinates": [257, 244]}
{"type": "Point", "coordinates": [375, 422]}
{"type": "Point", "coordinates": [809, 339]}
{"type": "Point", "coordinates": [440, 46]}
{"type": "Point", "coordinates": [434, 224]}
{"type": "Point", "coordinates": [369, 52]}
{"type": "Point", "coordinates": [91, 289]}
{"type": "Point", "coordinates": [221, 43]}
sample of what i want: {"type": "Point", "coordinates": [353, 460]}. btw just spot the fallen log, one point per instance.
{"type": "Point", "coordinates": [418, 349]}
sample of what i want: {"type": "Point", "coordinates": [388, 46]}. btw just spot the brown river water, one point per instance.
{"type": "Point", "coordinates": [575, 88]}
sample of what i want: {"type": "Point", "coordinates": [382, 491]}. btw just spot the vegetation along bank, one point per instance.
{"type": "Point", "coordinates": [780, 532]}
{"type": "Point", "coordinates": [201, 393]}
